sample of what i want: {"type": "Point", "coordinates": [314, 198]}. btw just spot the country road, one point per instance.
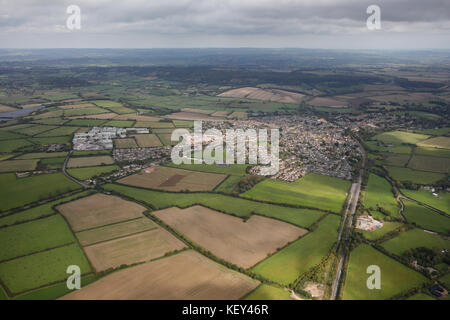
{"type": "Point", "coordinates": [346, 227]}
{"type": "Point", "coordinates": [70, 177]}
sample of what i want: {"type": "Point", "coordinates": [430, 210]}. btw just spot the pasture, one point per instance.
{"type": "Point", "coordinates": [89, 161]}
{"type": "Point", "coordinates": [42, 268]}
{"type": "Point", "coordinates": [99, 210]}
{"type": "Point", "coordinates": [267, 292]}
{"type": "Point", "coordinates": [441, 202]}
{"type": "Point", "coordinates": [18, 165]}
{"type": "Point", "coordinates": [172, 179]}
{"type": "Point", "coordinates": [379, 194]}
{"type": "Point", "coordinates": [16, 192]}
{"type": "Point", "coordinates": [13, 145]}
{"type": "Point", "coordinates": [395, 159]}
{"type": "Point", "coordinates": [413, 239]}
{"type": "Point", "coordinates": [288, 264]}
{"type": "Point", "coordinates": [313, 190]}
{"type": "Point", "coordinates": [30, 237]}
{"type": "Point", "coordinates": [243, 243]}
{"type": "Point", "coordinates": [60, 131]}
{"type": "Point", "coordinates": [426, 218]}
{"type": "Point", "coordinates": [433, 164]}
{"type": "Point", "coordinates": [400, 137]}
{"type": "Point", "coordinates": [132, 249]}
{"type": "Point", "coordinates": [153, 125]}
{"type": "Point", "coordinates": [177, 277]}
{"type": "Point", "coordinates": [42, 155]}
{"type": "Point", "coordinates": [90, 172]}
{"type": "Point", "coordinates": [119, 123]}
{"type": "Point", "coordinates": [415, 176]}
{"type": "Point", "coordinates": [395, 277]}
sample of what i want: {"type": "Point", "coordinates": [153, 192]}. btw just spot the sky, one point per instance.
{"type": "Point", "coordinates": [325, 24]}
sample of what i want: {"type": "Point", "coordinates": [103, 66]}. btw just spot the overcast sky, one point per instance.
{"type": "Point", "coordinates": [341, 24]}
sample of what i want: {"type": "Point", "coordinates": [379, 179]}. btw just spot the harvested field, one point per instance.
{"type": "Point", "coordinates": [93, 236]}
{"type": "Point", "coordinates": [243, 243]}
{"type": "Point", "coordinates": [136, 248]}
{"type": "Point", "coordinates": [327, 102]}
{"type": "Point", "coordinates": [147, 140]}
{"type": "Point", "coordinates": [438, 142]}
{"type": "Point", "coordinates": [172, 179]}
{"type": "Point", "coordinates": [4, 108]}
{"type": "Point", "coordinates": [264, 95]}
{"type": "Point", "coordinates": [187, 275]}
{"type": "Point", "coordinates": [125, 143]}
{"type": "Point", "coordinates": [89, 161]}
{"type": "Point", "coordinates": [99, 210]}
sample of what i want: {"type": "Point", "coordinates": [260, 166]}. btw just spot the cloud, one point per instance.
{"type": "Point", "coordinates": [200, 19]}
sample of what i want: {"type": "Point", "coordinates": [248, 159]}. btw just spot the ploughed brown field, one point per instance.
{"type": "Point", "coordinates": [132, 249]}
{"type": "Point", "coordinates": [186, 275]}
{"type": "Point", "coordinates": [89, 161]}
{"type": "Point", "coordinates": [274, 95]}
{"type": "Point", "coordinates": [98, 210]}
{"type": "Point", "coordinates": [172, 179]}
{"type": "Point", "coordinates": [243, 243]}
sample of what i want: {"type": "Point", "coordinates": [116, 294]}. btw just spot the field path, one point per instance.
{"type": "Point", "coordinates": [69, 176]}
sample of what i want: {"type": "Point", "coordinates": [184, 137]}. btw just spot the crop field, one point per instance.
{"type": "Point", "coordinates": [233, 169]}
{"type": "Point", "coordinates": [377, 234]}
{"type": "Point", "coordinates": [432, 152]}
{"type": "Point", "coordinates": [166, 139]}
{"type": "Point", "coordinates": [107, 103]}
{"type": "Point", "coordinates": [415, 176]}
{"type": "Point", "coordinates": [237, 115]}
{"type": "Point", "coordinates": [89, 161]}
{"type": "Point", "coordinates": [437, 142]}
{"type": "Point", "coordinates": [77, 106]}
{"type": "Point", "coordinates": [156, 125]}
{"type": "Point", "coordinates": [379, 194]}
{"type": "Point", "coordinates": [395, 159]}
{"type": "Point", "coordinates": [60, 131]}
{"type": "Point", "coordinates": [41, 211]}
{"type": "Point", "coordinates": [85, 122]}
{"type": "Point", "coordinates": [313, 190]}
{"type": "Point", "coordinates": [175, 277]}
{"type": "Point", "coordinates": [268, 292]}
{"type": "Point", "coordinates": [52, 163]}
{"type": "Point", "coordinates": [413, 239]}
{"type": "Point", "coordinates": [135, 117]}
{"type": "Point", "coordinates": [232, 205]}
{"type": "Point", "coordinates": [5, 135]}
{"type": "Point", "coordinates": [188, 124]}
{"type": "Point", "coordinates": [401, 137]}
{"type": "Point", "coordinates": [16, 192]}
{"type": "Point", "coordinates": [288, 264]}
{"type": "Point", "coordinates": [183, 115]}
{"type": "Point", "coordinates": [49, 114]}
{"type": "Point", "coordinates": [51, 121]}
{"type": "Point", "coordinates": [132, 249]}
{"type": "Point", "coordinates": [51, 140]}
{"type": "Point", "coordinates": [18, 165]}
{"type": "Point", "coordinates": [114, 231]}
{"type": "Point", "coordinates": [395, 277]}
{"type": "Point", "coordinates": [12, 145]}
{"type": "Point", "coordinates": [264, 95]}
{"type": "Point", "coordinates": [34, 236]}
{"type": "Point", "coordinates": [42, 155]}
{"type": "Point", "coordinates": [433, 164]}
{"type": "Point", "coordinates": [98, 117]}
{"type": "Point", "coordinates": [243, 243]}
{"type": "Point", "coordinates": [426, 218]}
{"type": "Point", "coordinates": [228, 185]}
{"type": "Point", "coordinates": [125, 143]}
{"type": "Point", "coordinates": [441, 202]}
{"type": "Point", "coordinates": [36, 129]}
{"type": "Point", "coordinates": [42, 268]}
{"type": "Point", "coordinates": [99, 210]}
{"type": "Point", "coordinates": [172, 179]}
{"type": "Point", "coordinates": [83, 112]}
{"type": "Point", "coordinates": [90, 172]}
{"type": "Point", "coordinates": [147, 140]}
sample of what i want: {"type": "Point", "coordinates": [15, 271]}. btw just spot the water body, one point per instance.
{"type": "Point", "coordinates": [5, 116]}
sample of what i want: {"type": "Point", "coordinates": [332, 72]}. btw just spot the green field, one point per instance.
{"type": "Point", "coordinates": [395, 277]}
{"type": "Point", "coordinates": [437, 142]}
{"type": "Point", "coordinates": [400, 137]}
{"type": "Point", "coordinates": [413, 239]}
{"type": "Point", "coordinates": [374, 146]}
{"type": "Point", "coordinates": [395, 159]}
{"type": "Point", "coordinates": [415, 176]}
{"type": "Point", "coordinates": [12, 145]}
{"type": "Point", "coordinates": [377, 234]}
{"type": "Point", "coordinates": [86, 122]}
{"type": "Point", "coordinates": [446, 280]}
{"type": "Point", "coordinates": [421, 296]}
{"type": "Point", "coordinates": [42, 155]}
{"type": "Point", "coordinates": [233, 169]}
{"type": "Point", "coordinates": [83, 111]}
{"type": "Point", "coordinates": [232, 205]}
{"type": "Point", "coordinates": [51, 140]}
{"type": "Point", "coordinates": [89, 172]}
{"type": "Point", "coordinates": [18, 165]}
{"type": "Point", "coordinates": [107, 103]}
{"type": "Point", "coordinates": [379, 194]}
{"type": "Point", "coordinates": [42, 268]}
{"type": "Point", "coordinates": [267, 292]}
{"type": "Point", "coordinates": [52, 163]}
{"type": "Point", "coordinates": [16, 192]}
{"type": "Point", "coordinates": [37, 212]}
{"type": "Point", "coordinates": [432, 152]}
{"type": "Point", "coordinates": [228, 185]}
{"type": "Point", "coordinates": [90, 153]}
{"type": "Point", "coordinates": [153, 124]}
{"type": "Point", "coordinates": [5, 135]}
{"type": "Point", "coordinates": [426, 218]}
{"type": "Point", "coordinates": [34, 236]}
{"type": "Point", "coordinates": [36, 129]}
{"type": "Point", "coordinates": [313, 190]}
{"type": "Point", "coordinates": [119, 123]}
{"type": "Point", "coordinates": [432, 164]}
{"type": "Point", "coordinates": [441, 202]}
{"type": "Point", "coordinates": [59, 131]}
{"type": "Point", "coordinates": [288, 264]}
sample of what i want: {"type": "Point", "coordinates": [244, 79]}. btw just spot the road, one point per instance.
{"type": "Point", "coordinates": [69, 176]}
{"type": "Point", "coordinates": [346, 227]}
